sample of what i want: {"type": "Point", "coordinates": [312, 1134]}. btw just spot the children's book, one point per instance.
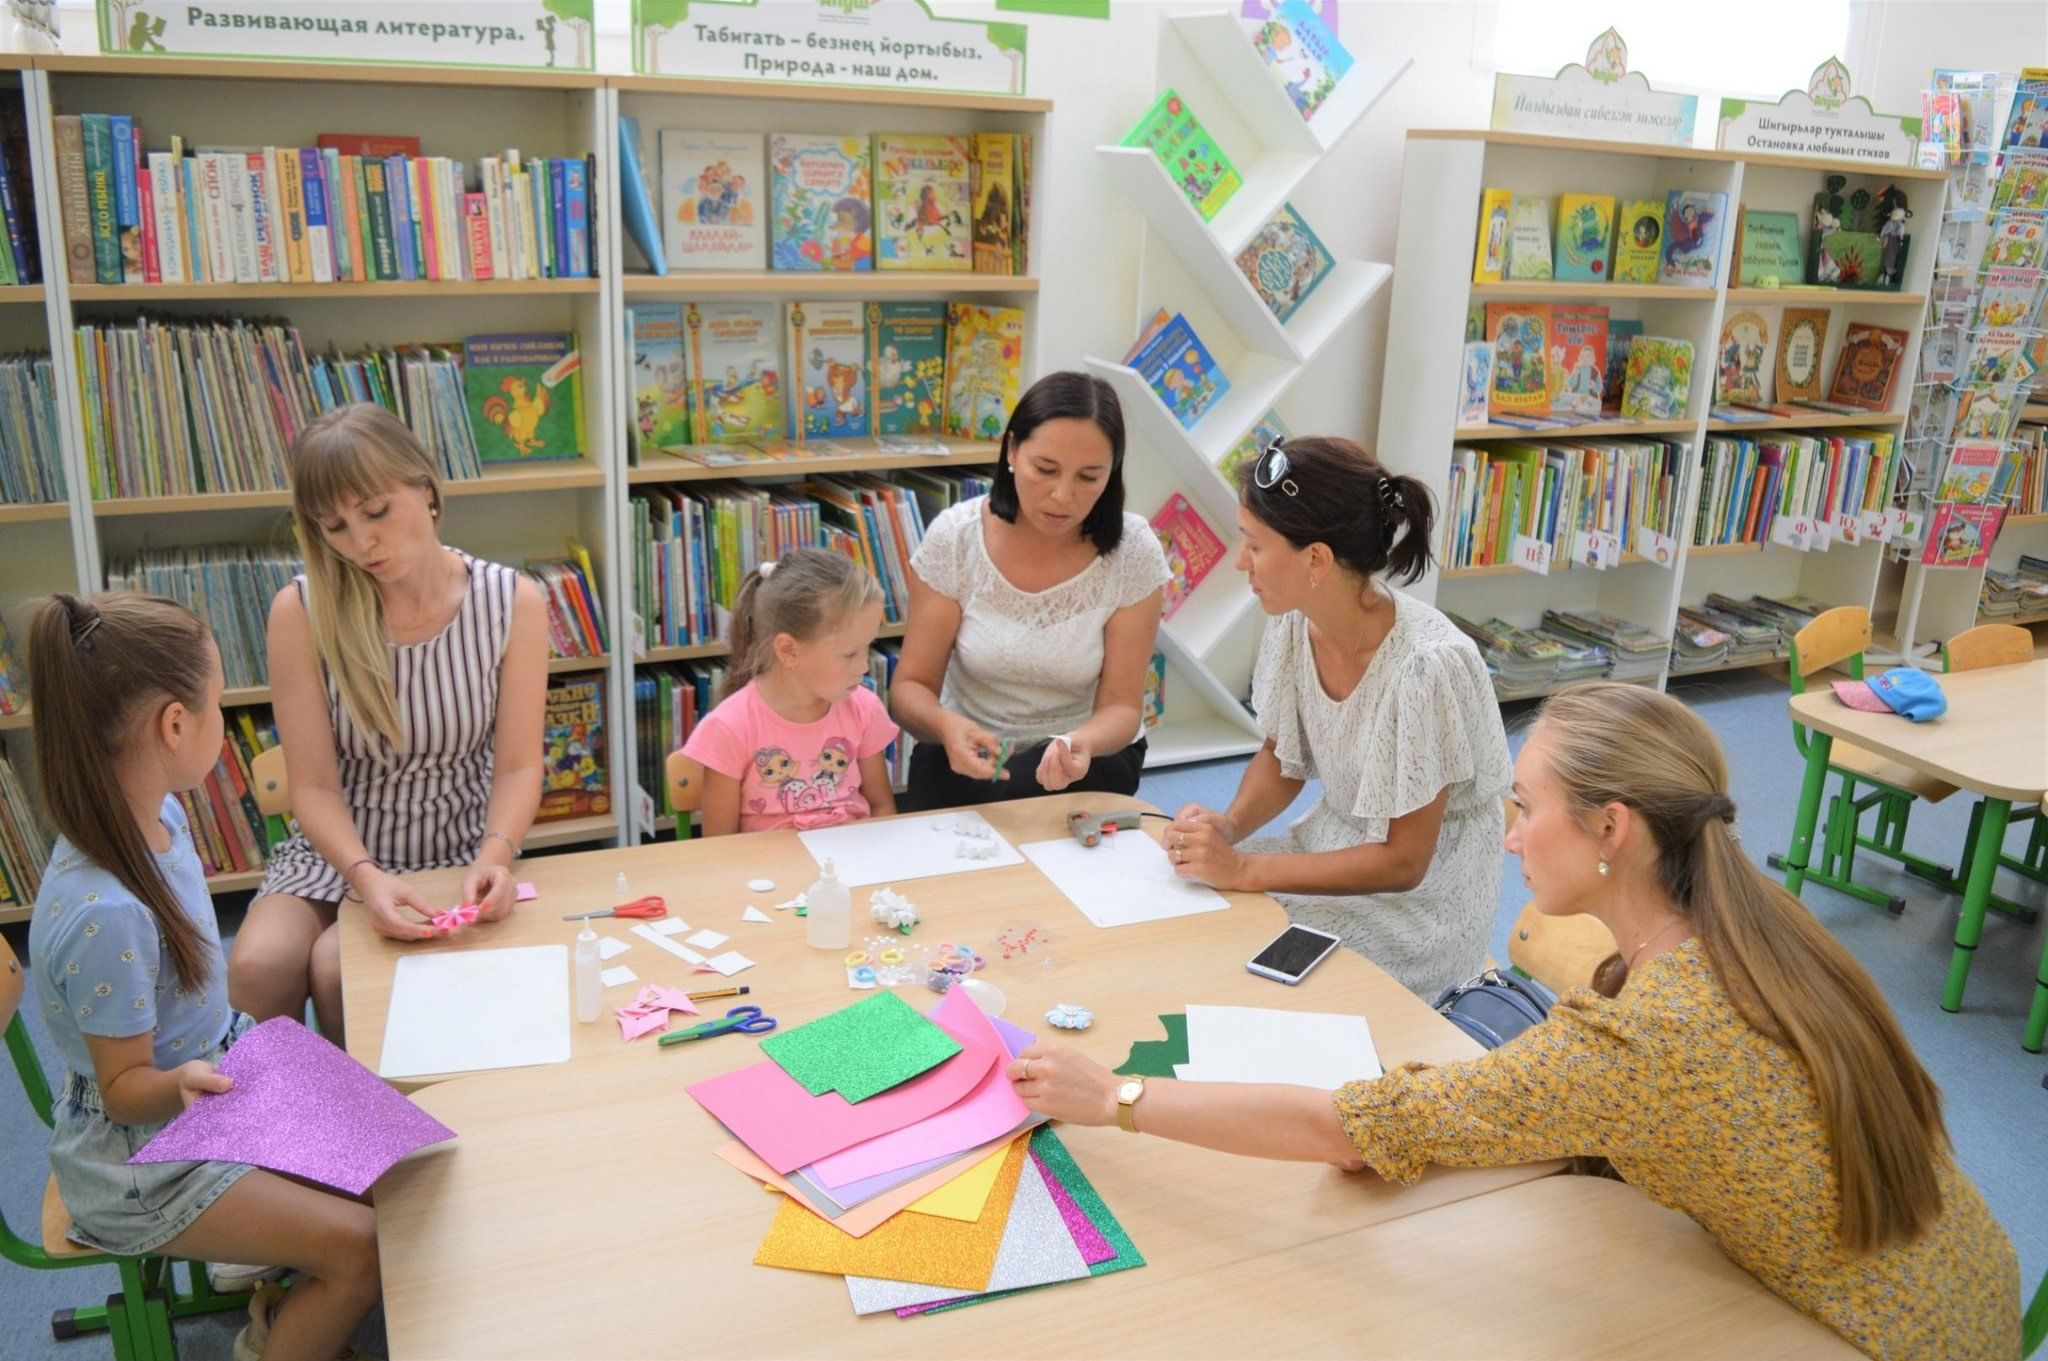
{"type": "Point", "coordinates": [1998, 355]}
{"type": "Point", "coordinates": [1192, 549]}
{"type": "Point", "coordinates": [1191, 157]}
{"type": "Point", "coordinates": [828, 344]}
{"type": "Point", "coordinates": [907, 367]}
{"type": "Point", "coordinates": [1802, 340]}
{"type": "Point", "coordinates": [1475, 383]}
{"type": "Point", "coordinates": [2027, 124]}
{"type": "Point", "coordinates": [1961, 536]}
{"type": "Point", "coordinates": [1621, 333]}
{"type": "Point", "coordinates": [1578, 359]}
{"type": "Point", "coordinates": [1154, 703]}
{"type": "Point", "coordinates": [1768, 250]}
{"type": "Point", "coordinates": [1490, 255]}
{"type": "Point", "coordinates": [1989, 413]}
{"type": "Point", "coordinates": [525, 396]}
{"type": "Point", "coordinates": [1528, 237]}
{"type": "Point", "coordinates": [1970, 471]}
{"type": "Point", "coordinates": [2018, 240]}
{"type": "Point", "coordinates": [984, 349]}
{"type": "Point", "coordinates": [1742, 360]}
{"type": "Point", "coordinates": [2010, 297]}
{"type": "Point", "coordinates": [1585, 236]}
{"type": "Point", "coordinates": [1180, 370]}
{"type": "Point", "coordinates": [1269, 429]}
{"type": "Point", "coordinates": [1284, 261]}
{"type": "Point", "coordinates": [637, 201]}
{"type": "Point", "coordinates": [824, 209]}
{"type": "Point", "coordinates": [1659, 382]}
{"type": "Point", "coordinates": [992, 191]}
{"type": "Point", "coordinates": [921, 202]}
{"type": "Point", "coordinates": [1302, 55]}
{"type": "Point", "coordinates": [661, 380]}
{"type": "Point", "coordinates": [1639, 241]}
{"type": "Point", "coordinates": [1520, 336]}
{"type": "Point", "coordinates": [573, 769]}
{"type": "Point", "coordinates": [711, 200]}
{"type": "Point", "coordinates": [2022, 181]}
{"type": "Point", "coordinates": [1867, 367]}
{"type": "Point", "coordinates": [1692, 236]}
{"type": "Point", "coordinates": [13, 681]}
{"type": "Point", "coordinates": [734, 351]}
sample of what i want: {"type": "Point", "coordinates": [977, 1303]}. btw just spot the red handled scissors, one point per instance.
{"type": "Point", "coordinates": [647, 909]}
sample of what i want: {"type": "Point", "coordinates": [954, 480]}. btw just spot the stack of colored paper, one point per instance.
{"type": "Point", "coordinates": [908, 1164]}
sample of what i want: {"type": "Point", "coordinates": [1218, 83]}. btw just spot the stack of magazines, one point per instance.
{"type": "Point", "coordinates": [1751, 637]}
{"type": "Point", "coordinates": [1522, 664]}
{"type": "Point", "coordinates": [2019, 592]}
{"type": "Point", "coordinates": [1787, 616]}
{"type": "Point", "coordinates": [1579, 658]}
{"type": "Point", "coordinates": [1634, 652]}
{"type": "Point", "coordinates": [1697, 646]}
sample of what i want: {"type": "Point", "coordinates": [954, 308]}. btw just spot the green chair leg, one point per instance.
{"type": "Point", "coordinates": [2037, 1018]}
{"type": "Point", "coordinates": [202, 1298]}
{"type": "Point", "coordinates": [1895, 809]}
{"type": "Point", "coordinates": [1812, 785]}
{"type": "Point", "coordinates": [1837, 860]}
{"type": "Point", "coordinates": [2000, 904]}
{"type": "Point", "coordinates": [2034, 1327]}
{"type": "Point", "coordinates": [1976, 899]}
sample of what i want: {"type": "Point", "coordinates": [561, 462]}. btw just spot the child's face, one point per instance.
{"type": "Point", "coordinates": [389, 536]}
{"type": "Point", "coordinates": [830, 666]}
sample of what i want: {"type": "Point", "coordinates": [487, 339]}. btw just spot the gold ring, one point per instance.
{"type": "Point", "coordinates": [1027, 1070]}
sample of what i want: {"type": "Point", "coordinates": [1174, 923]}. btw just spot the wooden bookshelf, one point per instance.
{"type": "Point", "coordinates": [1570, 290]}
{"type": "Point", "coordinates": [33, 514]}
{"type": "Point", "coordinates": [1818, 420]}
{"type": "Point", "coordinates": [8, 722]}
{"type": "Point", "coordinates": [1501, 569]}
{"type": "Point", "coordinates": [960, 454]}
{"type": "Point", "coordinates": [2038, 518]}
{"type": "Point", "coordinates": [2034, 411]}
{"type": "Point", "coordinates": [315, 72]}
{"type": "Point", "coordinates": [797, 93]}
{"type": "Point", "coordinates": [1722, 550]}
{"type": "Point", "coordinates": [1825, 297]}
{"type": "Point", "coordinates": [1643, 150]}
{"type": "Point", "coordinates": [498, 479]}
{"type": "Point", "coordinates": [235, 881]}
{"type": "Point", "coordinates": [144, 294]}
{"type": "Point", "coordinates": [1724, 668]}
{"type": "Point", "coordinates": [821, 284]}
{"type": "Point", "coordinates": [242, 697]}
{"type": "Point", "coordinates": [21, 293]}
{"type": "Point", "coordinates": [1466, 433]}
{"type": "Point", "coordinates": [698, 652]}
{"type": "Point", "coordinates": [571, 831]}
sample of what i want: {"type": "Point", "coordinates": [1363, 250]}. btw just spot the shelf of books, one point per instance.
{"type": "Point", "coordinates": [1661, 392]}
{"type": "Point", "coordinates": [1238, 297]}
{"type": "Point", "coordinates": [829, 309]}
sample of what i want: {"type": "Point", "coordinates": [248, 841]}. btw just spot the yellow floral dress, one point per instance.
{"type": "Point", "coordinates": [1703, 1114]}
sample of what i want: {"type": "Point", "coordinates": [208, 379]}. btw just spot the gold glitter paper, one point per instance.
{"type": "Point", "coordinates": [960, 1254]}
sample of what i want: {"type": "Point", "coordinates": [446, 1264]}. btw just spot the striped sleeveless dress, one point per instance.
{"type": "Point", "coordinates": [420, 806]}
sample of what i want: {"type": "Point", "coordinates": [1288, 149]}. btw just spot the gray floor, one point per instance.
{"type": "Point", "coordinates": [1997, 1109]}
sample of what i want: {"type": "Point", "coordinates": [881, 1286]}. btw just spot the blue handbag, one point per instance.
{"type": "Point", "coordinates": [1496, 1006]}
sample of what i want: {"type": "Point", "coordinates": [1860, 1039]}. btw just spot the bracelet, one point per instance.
{"type": "Point", "coordinates": [348, 889]}
{"type": "Point", "coordinates": [502, 837]}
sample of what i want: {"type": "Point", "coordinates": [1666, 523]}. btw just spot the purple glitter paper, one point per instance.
{"type": "Point", "coordinates": [1094, 1247]}
{"type": "Point", "coordinates": [298, 1106]}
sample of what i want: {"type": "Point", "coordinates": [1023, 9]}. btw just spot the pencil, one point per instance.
{"type": "Point", "coordinates": [716, 992]}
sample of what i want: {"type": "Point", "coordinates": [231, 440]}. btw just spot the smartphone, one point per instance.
{"type": "Point", "coordinates": [1292, 953]}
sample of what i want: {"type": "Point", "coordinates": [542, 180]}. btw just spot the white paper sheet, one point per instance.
{"type": "Point", "coordinates": [754, 914]}
{"type": "Point", "coordinates": [653, 935]}
{"type": "Point", "coordinates": [1253, 1044]}
{"type": "Point", "coordinates": [461, 1012]}
{"type": "Point", "coordinates": [609, 948]}
{"type": "Point", "coordinates": [729, 963]}
{"type": "Point", "coordinates": [707, 939]}
{"type": "Point", "coordinates": [665, 926]}
{"type": "Point", "coordinates": [895, 850]}
{"type": "Point", "coordinates": [617, 977]}
{"type": "Point", "coordinates": [1125, 880]}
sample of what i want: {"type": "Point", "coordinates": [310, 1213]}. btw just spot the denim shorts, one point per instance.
{"type": "Point", "coordinates": [115, 1207]}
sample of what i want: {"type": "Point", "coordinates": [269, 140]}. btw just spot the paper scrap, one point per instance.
{"type": "Point", "coordinates": [610, 947]}
{"type": "Point", "coordinates": [797, 901]}
{"type": "Point", "coordinates": [613, 978]}
{"type": "Point", "coordinates": [707, 939]}
{"type": "Point", "coordinates": [651, 933]}
{"type": "Point", "coordinates": [670, 999]}
{"type": "Point", "coordinates": [861, 1050]}
{"type": "Point", "coordinates": [909, 1247]}
{"type": "Point", "coordinates": [666, 926]}
{"type": "Point", "coordinates": [299, 1106]}
{"type": "Point", "coordinates": [754, 914]}
{"type": "Point", "coordinates": [462, 1011]}
{"type": "Point", "coordinates": [761, 885]}
{"type": "Point", "coordinates": [729, 963]}
{"type": "Point", "coordinates": [637, 1021]}
{"type": "Point", "coordinates": [1255, 1044]}
{"type": "Point", "coordinates": [525, 893]}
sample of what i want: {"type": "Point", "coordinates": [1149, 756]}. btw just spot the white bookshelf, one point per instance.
{"type": "Point", "coordinates": [1189, 266]}
{"type": "Point", "coordinates": [1444, 174]}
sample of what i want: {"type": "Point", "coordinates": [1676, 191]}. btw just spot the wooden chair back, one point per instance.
{"type": "Point", "coordinates": [1834, 636]}
{"type": "Point", "coordinates": [273, 787]}
{"type": "Point", "coordinates": [1561, 953]}
{"type": "Point", "coordinates": [1987, 645]}
{"type": "Point", "coordinates": [685, 784]}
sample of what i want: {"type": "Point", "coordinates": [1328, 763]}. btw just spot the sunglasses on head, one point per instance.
{"type": "Point", "coordinates": [1271, 471]}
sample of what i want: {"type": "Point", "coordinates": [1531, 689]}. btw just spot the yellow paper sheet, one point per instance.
{"type": "Point", "coordinates": [966, 1196]}
{"type": "Point", "coordinates": [927, 1249]}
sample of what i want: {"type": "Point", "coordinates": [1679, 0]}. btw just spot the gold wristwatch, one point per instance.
{"type": "Point", "coordinates": [1127, 1097]}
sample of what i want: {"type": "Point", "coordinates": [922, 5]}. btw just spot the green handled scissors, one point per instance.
{"type": "Point", "coordinates": [745, 1020]}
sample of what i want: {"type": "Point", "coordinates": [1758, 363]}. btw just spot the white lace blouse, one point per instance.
{"type": "Point", "coordinates": [1026, 664]}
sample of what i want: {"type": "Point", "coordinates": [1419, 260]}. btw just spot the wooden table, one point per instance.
{"type": "Point", "coordinates": [1993, 742]}
{"type": "Point", "coordinates": [517, 1239]}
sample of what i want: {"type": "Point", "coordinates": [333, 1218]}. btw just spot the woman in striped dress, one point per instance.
{"type": "Point", "coordinates": [409, 680]}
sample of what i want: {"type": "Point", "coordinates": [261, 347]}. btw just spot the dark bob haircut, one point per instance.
{"type": "Point", "coordinates": [1068, 395]}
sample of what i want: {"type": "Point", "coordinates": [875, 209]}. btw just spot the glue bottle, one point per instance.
{"type": "Point", "coordinates": [828, 912]}
{"type": "Point", "coordinates": [589, 986]}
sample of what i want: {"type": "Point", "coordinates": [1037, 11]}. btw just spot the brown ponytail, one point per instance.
{"type": "Point", "coordinates": [805, 594]}
{"type": "Point", "coordinates": [1784, 972]}
{"type": "Point", "coordinates": [99, 671]}
{"type": "Point", "coordinates": [1334, 493]}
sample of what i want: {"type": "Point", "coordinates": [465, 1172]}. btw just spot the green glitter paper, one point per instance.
{"type": "Point", "coordinates": [1061, 1163]}
{"type": "Point", "coordinates": [1155, 1058]}
{"type": "Point", "coordinates": [862, 1050]}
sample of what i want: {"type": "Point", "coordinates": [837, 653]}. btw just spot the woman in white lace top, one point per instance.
{"type": "Point", "coordinates": [1032, 616]}
{"type": "Point", "coordinates": [1380, 697]}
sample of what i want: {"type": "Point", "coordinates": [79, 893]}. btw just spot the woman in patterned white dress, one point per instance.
{"type": "Point", "coordinates": [1384, 700]}
{"type": "Point", "coordinates": [1033, 611]}
{"type": "Point", "coordinates": [409, 680]}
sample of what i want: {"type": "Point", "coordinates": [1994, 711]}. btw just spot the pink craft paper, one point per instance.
{"type": "Point", "coordinates": [991, 1108]}
{"type": "Point", "coordinates": [299, 1106]}
{"type": "Point", "coordinates": [635, 1021]}
{"type": "Point", "coordinates": [787, 1127]}
{"type": "Point", "coordinates": [672, 999]}
{"type": "Point", "coordinates": [525, 893]}
{"type": "Point", "coordinates": [450, 920]}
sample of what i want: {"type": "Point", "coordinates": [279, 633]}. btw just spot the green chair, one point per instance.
{"type": "Point", "coordinates": [2034, 1327]}
{"type": "Point", "coordinates": [1999, 645]}
{"type": "Point", "coordinates": [1836, 638]}
{"type": "Point", "coordinates": [137, 1320]}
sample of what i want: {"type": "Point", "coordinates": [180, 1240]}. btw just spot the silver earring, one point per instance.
{"type": "Point", "coordinates": [1603, 869]}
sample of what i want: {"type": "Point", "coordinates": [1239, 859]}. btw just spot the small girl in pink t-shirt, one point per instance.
{"type": "Point", "coordinates": [796, 739]}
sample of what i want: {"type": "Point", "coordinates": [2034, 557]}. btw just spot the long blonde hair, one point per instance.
{"type": "Point", "coordinates": [355, 452]}
{"type": "Point", "coordinates": [1785, 973]}
{"type": "Point", "coordinates": [101, 671]}
{"type": "Point", "coordinates": [811, 591]}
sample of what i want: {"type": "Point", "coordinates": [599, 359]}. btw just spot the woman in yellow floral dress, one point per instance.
{"type": "Point", "coordinates": [1741, 1067]}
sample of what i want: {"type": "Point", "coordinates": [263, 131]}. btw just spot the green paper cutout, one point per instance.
{"type": "Point", "coordinates": [1156, 1058]}
{"type": "Point", "coordinates": [862, 1050]}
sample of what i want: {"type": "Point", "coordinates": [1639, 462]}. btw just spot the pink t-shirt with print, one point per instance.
{"type": "Point", "coordinates": [798, 775]}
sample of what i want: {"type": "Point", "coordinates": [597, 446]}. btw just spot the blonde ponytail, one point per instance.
{"type": "Point", "coordinates": [806, 594]}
